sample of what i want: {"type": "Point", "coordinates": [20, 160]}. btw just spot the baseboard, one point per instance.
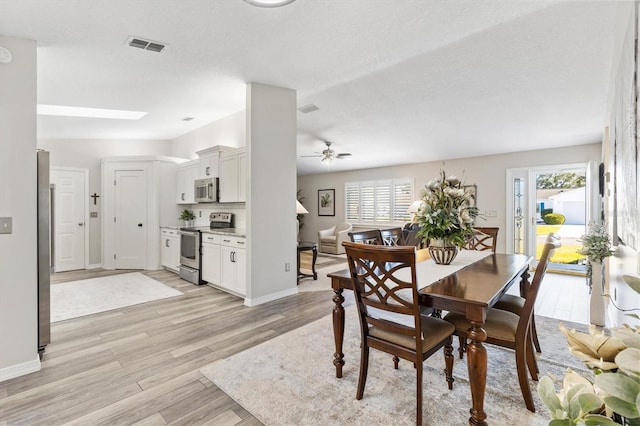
{"type": "Point", "coordinates": [270, 297]}
{"type": "Point", "coordinates": [94, 266]}
{"type": "Point", "coordinates": [20, 369]}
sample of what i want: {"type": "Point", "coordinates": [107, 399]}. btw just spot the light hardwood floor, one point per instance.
{"type": "Point", "coordinates": [140, 364]}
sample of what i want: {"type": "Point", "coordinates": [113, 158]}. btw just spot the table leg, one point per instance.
{"type": "Point", "coordinates": [338, 330]}
{"type": "Point", "coordinates": [524, 283]}
{"type": "Point", "coordinates": [313, 262]}
{"type": "Point", "coordinates": [298, 265]}
{"type": "Point", "coordinates": [477, 365]}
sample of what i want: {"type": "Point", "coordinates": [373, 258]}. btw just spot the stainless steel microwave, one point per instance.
{"type": "Point", "coordinates": [206, 190]}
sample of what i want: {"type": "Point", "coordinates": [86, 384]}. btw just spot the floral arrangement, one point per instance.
{"type": "Point", "coordinates": [187, 215]}
{"type": "Point", "coordinates": [446, 212]}
{"type": "Point", "coordinates": [596, 243]}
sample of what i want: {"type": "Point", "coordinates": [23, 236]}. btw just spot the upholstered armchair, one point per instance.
{"type": "Point", "coordinates": [330, 240]}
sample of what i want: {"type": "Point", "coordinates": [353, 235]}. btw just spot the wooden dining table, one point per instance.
{"type": "Point", "coordinates": [471, 291]}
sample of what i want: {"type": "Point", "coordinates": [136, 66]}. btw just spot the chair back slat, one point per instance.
{"type": "Point", "coordinates": [483, 239]}
{"type": "Point", "coordinates": [551, 244]}
{"type": "Point", "coordinates": [392, 237]}
{"type": "Point", "coordinates": [366, 237]}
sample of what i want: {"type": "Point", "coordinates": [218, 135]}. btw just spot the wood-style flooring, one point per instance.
{"type": "Point", "coordinates": [140, 364]}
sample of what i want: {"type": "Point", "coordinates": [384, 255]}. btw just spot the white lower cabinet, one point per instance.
{"type": "Point", "coordinates": [211, 258]}
{"type": "Point", "coordinates": [170, 249]}
{"type": "Point", "coordinates": [224, 262]}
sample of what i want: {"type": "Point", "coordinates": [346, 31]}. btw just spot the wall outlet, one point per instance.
{"type": "Point", "coordinates": [93, 214]}
{"type": "Point", "coordinates": [491, 213]}
{"type": "Point", "coordinates": [6, 225]}
{"type": "Point", "coordinates": [287, 267]}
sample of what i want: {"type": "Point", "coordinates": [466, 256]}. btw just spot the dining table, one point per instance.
{"type": "Point", "coordinates": [470, 290]}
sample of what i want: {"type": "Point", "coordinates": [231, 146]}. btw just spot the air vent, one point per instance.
{"type": "Point", "coordinates": [141, 43]}
{"type": "Point", "coordinates": [187, 119]}
{"type": "Point", "coordinates": [308, 108]}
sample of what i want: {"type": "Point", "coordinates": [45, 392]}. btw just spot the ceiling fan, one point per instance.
{"type": "Point", "coordinates": [328, 154]}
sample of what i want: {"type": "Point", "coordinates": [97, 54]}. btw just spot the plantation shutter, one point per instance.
{"type": "Point", "coordinates": [352, 202]}
{"type": "Point", "coordinates": [402, 199]}
{"type": "Point", "coordinates": [381, 203]}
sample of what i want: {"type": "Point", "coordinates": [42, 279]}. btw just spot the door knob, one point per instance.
{"type": "Point", "coordinates": [140, 225]}
{"type": "Point", "coordinates": [81, 224]}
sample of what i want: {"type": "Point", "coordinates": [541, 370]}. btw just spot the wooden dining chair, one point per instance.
{"type": "Point", "coordinates": [384, 284]}
{"type": "Point", "coordinates": [392, 237]}
{"type": "Point", "coordinates": [366, 237]}
{"type": "Point", "coordinates": [509, 330]}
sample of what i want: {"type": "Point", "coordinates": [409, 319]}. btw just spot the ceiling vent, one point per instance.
{"type": "Point", "coordinates": [141, 43]}
{"type": "Point", "coordinates": [308, 108]}
{"type": "Point", "coordinates": [187, 118]}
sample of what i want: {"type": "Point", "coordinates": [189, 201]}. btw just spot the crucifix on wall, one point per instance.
{"type": "Point", "coordinates": [95, 198]}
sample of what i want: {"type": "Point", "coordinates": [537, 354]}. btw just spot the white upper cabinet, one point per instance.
{"type": "Point", "coordinates": [233, 178]}
{"type": "Point", "coordinates": [186, 175]}
{"type": "Point", "coordinates": [209, 161]}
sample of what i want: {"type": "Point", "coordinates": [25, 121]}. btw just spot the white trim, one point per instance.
{"type": "Point", "coordinates": [20, 369]}
{"type": "Point", "coordinates": [270, 297]}
{"type": "Point", "coordinates": [94, 266]}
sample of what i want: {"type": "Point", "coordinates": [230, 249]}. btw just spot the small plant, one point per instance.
{"type": "Point", "coordinates": [187, 215]}
{"type": "Point", "coordinates": [596, 243]}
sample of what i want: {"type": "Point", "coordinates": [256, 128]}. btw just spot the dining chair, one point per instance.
{"type": "Point", "coordinates": [366, 237]}
{"type": "Point", "coordinates": [483, 239]}
{"type": "Point", "coordinates": [392, 237]}
{"type": "Point", "coordinates": [384, 284]}
{"type": "Point", "coordinates": [509, 330]}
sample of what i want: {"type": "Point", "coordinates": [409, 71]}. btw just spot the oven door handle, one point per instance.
{"type": "Point", "coordinates": [188, 233]}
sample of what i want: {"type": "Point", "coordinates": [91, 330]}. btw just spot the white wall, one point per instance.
{"type": "Point", "coordinates": [488, 172]}
{"type": "Point", "coordinates": [18, 251]}
{"type": "Point", "coordinates": [271, 193]}
{"type": "Point", "coordinates": [626, 260]}
{"type": "Point", "coordinates": [228, 131]}
{"type": "Point", "coordinates": [87, 154]}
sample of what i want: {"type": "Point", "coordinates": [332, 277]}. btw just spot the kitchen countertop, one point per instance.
{"type": "Point", "coordinates": [232, 232]}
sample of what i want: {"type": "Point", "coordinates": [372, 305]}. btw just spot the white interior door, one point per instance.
{"type": "Point", "coordinates": [130, 219]}
{"type": "Point", "coordinates": [69, 218]}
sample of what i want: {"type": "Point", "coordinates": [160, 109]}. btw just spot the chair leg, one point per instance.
{"type": "Point", "coordinates": [463, 346]}
{"type": "Point", "coordinates": [448, 362]}
{"type": "Point", "coordinates": [523, 378]}
{"type": "Point", "coordinates": [364, 367]}
{"type": "Point", "coordinates": [532, 363]}
{"type": "Point", "coordinates": [419, 392]}
{"type": "Point", "coordinates": [396, 360]}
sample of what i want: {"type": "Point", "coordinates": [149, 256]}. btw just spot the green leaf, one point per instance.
{"type": "Point", "coordinates": [598, 420]}
{"type": "Point", "coordinates": [548, 395]}
{"type": "Point", "coordinates": [618, 385]}
{"type": "Point", "coordinates": [624, 408]}
{"type": "Point", "coordinates": [590, 402]}
{"type": "Point", "coordinates": [636, 316]}
{"type": "Point", "coordinates": [629, 361]}
{"type": "Point", "coordinates": [632, 282]}
{"type": "Point", "coordinates": [562, 422]}
{"type": "Point", "coordinates": [631, 340]}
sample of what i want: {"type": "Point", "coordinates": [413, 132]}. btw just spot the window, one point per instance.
{"type": "Point", "coordinates": [378, 202]}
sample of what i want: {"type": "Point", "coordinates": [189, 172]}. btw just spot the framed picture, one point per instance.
{"type": "Point", "coordinates": [326, 202]}
{"type": "Point", "coordinates": [473, 190]}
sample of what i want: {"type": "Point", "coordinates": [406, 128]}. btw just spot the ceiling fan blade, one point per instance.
{"type": "Point", "coordinates": [344, 155]}
{"type": "Point", "coordinates": [318, 155]}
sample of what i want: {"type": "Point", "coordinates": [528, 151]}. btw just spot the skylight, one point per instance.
{"type": "Point", "coordinates": [69, 111]}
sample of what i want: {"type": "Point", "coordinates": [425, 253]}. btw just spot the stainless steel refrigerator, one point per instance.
{"type": "Point", "coordinates": [45, 250]}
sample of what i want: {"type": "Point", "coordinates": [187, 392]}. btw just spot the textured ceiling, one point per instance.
{"type": "Point", "coordinates": [396, 81]}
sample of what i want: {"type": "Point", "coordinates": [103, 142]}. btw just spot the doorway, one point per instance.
{"type": "Point", "coordinates": [130, 219]}
{"type": "Point", "coordinates": [70, 218]}
{"type": "Point", "coordinates": [548, 199]}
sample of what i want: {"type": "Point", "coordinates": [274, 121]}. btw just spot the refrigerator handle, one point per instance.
{"type": "Point", "coordinates": [52, 226]}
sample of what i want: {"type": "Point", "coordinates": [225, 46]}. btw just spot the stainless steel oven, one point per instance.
{"type": "Point", "coordinates": [190, 256]}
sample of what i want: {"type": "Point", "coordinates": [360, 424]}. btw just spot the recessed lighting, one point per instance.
{"type": "Point", "coordinates": [69, 111]}
{"type": "Point", "coordinates": [269, 3]}
{"type": "Point", "coordinates": [308, 108]}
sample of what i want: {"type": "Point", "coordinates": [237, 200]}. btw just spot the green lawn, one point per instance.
{"type": "Point", "coordinates": [567, 253]}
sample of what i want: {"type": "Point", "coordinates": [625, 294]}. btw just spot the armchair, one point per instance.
{"type": "Point", "coordinates": [330, 240]}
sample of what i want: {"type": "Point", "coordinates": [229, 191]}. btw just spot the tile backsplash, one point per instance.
{"type": "Point", "coordinates": [202, 212]}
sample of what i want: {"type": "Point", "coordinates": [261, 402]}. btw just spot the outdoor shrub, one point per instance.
{"type": "Point", "coordinates": [545, 212]}
{"type": "Point", "coordinates": [554, 219]}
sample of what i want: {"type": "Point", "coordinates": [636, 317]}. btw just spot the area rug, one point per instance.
{"type": "Point", "coordinates": [290, 380]}
{"type": "Point", "coordinates": [322, 260]}
{"type": "Point", "coordinates": [85, 297]}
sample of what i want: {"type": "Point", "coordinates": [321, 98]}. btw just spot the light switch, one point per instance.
{"type": "Point", "coordinates": [93, 214]}
{"type": "Point", "coordinates": [491, 213]}
{"type": "Point", "coordinates": [6, 226]}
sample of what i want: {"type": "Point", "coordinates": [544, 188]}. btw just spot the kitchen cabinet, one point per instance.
{"type": "Point", "coordinates": [170, 249]}
{"type": "Point", "coordinates": [211, 257]}
{"type": "Point", "coordinates": [186, 175]}
{"type": "Point", "coordinates": [233, 179]}
{"type": "Point", "coordinates": [233, 264]}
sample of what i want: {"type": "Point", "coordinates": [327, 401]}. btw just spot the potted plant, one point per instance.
{"type": "Point", "coordinates": [188, 217]}
{"type": "Point", "coordinates": [446, 217]}
{"type": "Point", "coordinates": [596, 246]}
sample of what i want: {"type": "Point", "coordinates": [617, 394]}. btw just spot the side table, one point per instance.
{"type": "Point", "coordinates": [308, 246]}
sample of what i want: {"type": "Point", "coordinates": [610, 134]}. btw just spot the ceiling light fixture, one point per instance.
{"type": "Point", "coordinates": [69, 111]}
{"type": "Point", "coordinates": [269, 3]}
